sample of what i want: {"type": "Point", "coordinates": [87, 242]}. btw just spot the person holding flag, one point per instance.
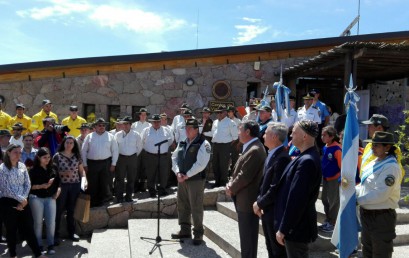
{"type": "Point", "coordinates": [345, 236]}
{"type": "Point", "coordinates": [378, 197]}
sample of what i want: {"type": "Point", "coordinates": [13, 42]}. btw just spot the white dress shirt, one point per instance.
{"type": "Point", "coordinates": [99, 147]}
{"type": "Point", "coordinates": [223, 131]}
{"type": "Point", "coordinates": [291, 119]}
{"type": "Point", "coordinates": [138, 126]}
{"type": "Point", "coordinates": [128, 143]}
{"type": "Point", "coordinates": [180, 132]}
{"type": "Point", "coordinates": [176, 120]}
{"type": "Point", "coordinates": [151, 136]}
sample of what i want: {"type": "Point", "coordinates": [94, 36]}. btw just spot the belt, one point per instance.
{"type": "Point", "coordinates": [221, 143]}
{"type": "Point", "coordinates": [375, 212]}
{"type": "Point", "coordinates": [162, 154]}
{"type": "Point", "coordinates": [127, 155]}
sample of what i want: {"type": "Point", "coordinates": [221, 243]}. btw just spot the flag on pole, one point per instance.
{"type": "Point", "coordinates": [345, 236]}
{"type": "Point", "coordinates": [282, 98]}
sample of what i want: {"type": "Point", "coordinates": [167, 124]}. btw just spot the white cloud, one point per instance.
{"type": "Point", "coordinates": [56, 9]}
{"type": "Point", "coordinates": [248, 32]}
{"type": "Point", "coordinates": [107, 16]}
{"type": "Point", "coordinates": [251, 19]}
{"type": "Point", "coordinates": [133, 19]}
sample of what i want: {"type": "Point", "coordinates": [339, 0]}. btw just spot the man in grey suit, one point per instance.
{"type": "Point", "coordinates": [244, 186]}
{"type": "Point", "coordinates": [277, 160]}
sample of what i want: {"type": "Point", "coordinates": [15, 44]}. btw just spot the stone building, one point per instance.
{"type": "Point", "coordinates": [119, 85]}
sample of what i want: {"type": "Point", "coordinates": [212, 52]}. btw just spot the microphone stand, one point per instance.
{"type": "Point", "coordinates": [159, 239]}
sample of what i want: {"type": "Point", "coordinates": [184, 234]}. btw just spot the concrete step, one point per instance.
{"type": "Point", "coordinates": [110, 243]}
{"type": "Point", "coordinates": [224, 231]}
{"type": "Point", "coordinates": [148, 228]}
{"type": "Point", "coordinates": [322, 242]}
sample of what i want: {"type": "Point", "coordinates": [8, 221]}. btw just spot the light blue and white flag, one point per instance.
{"type": "Point", "coordinates": [282, 98]}
{"type": "Point", "coordinates": [345, 236]}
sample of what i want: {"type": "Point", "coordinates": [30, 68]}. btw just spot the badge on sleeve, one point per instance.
{"type": "Point", "coordinates": [390, 180]}
{"type": "Point", "coordinates": [208, 148]}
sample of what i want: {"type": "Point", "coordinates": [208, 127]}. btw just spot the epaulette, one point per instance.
{"type": "Point", "coordinates": [299, 108]}
{"type": "Point", "coordinates": [314, 107]}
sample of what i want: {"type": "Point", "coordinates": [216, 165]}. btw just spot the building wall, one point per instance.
{"type": "Point", "coordinates": [389, 98]}
{"type": "Point", "coordinates": [160, 91]}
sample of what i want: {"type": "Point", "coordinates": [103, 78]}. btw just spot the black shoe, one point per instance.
{"type": "Point", "coordinates": [179, 235]}
{"type": "Point", "coordinates": [51, 250]}
{"type": "Point", "coordinates": [197, 240]}
{"type": "Point", "coordinates": [128, 199]}
{"type": "Point", "coordinates": [119, 200]}
{"type": "Point", "coordinates": [75, 238]}
{"type": "Point", "coordinates": [42, 250]}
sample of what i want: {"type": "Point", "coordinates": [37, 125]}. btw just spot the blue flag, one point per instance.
{"type": "Point", "coordinates": [345, 236]}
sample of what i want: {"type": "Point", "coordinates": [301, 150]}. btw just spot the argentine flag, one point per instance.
{"type": "Point", "coordinates": [345, 236]}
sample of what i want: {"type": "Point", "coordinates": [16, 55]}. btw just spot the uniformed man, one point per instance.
{"type": "Point", "coordinates": [205, 124]}
{"type": "Point", "coordinates": [308, 112]}
{"type": "Point", "coordinates": [180, 132]}
{"type": "Point", "coordinates": [37, 120]}
{"type": "Point", "coordinates": [20, 117]}
{"type": "Point", "coordinates": [73, 121]}
{"type": "Point", "coordinates": [178, 118]}
{"type": "Point", "coordinates": [224, 132]}
{"type": "Point", "coordinates": [265, 117]}
{"type": "Point", "coordinates": [321, 106]}
{"type": "Point", "coordinates": [290, 120]}
{"type": "Point", "coordinates": [4, 118]}
{"type": "Point", "coordinates": [153, 160]}
{"type": "Point", "coordinates": [139, 126]}
{"type": "Point", "coordinates": [99, 156]}
{"type": "Point", "coordinates": [189, 161]}
{"type": "Point", "coordinates": [129, 147]}
{"type": "Point", "coordinates": [118, 126]}
{"type": "Point", "coordinates": [253, 113]}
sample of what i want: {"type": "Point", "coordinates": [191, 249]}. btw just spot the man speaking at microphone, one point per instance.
{"type": "Point", "coordinates": [189, 162]}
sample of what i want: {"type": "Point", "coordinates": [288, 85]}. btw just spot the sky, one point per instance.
{"type": "Point", "coordinates": [41, 30]}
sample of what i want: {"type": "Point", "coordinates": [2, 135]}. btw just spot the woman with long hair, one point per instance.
{"type": "Point", "coordinates": [378, 197]}
{"type": "Point", "coordinates": [45, 188]}
{"type": "Point", "coordinates": [69, 167]}
{"type": "Point", "coordinates": [14, 189]}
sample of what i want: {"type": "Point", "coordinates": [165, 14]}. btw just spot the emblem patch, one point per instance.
{"type": "Point", "coordinates": [330, 156]}
{"type": "Point", "coordinates": [390, 180]}
{"type": "Point", "coordinates": [208, 148]}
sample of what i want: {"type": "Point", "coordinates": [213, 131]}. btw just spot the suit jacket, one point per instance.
{"type": "Point", "coordinates": [247, 175]}
{"type": "Point", "coordinates": [297, 191]}
{"type": "Point", "coordinates": [272, 173]}
{"type": "Point", "coordinates": [207, 127]}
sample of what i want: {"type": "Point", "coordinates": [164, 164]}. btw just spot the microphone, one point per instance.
{"type": "Point", "coordinates": [160, 143]}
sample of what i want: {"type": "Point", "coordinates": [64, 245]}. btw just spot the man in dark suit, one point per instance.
{"type": "Point", "coordinates": [295, 217]}
{"type": "Point", "coordinates": [243, 187]}
{"type": "Point", "coordinates": [274, 166]}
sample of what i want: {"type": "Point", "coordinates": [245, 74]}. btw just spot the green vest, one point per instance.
{"type": "Point", "coordinates": [186, 161]}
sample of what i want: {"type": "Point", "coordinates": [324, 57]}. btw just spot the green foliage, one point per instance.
{"type": "Point", "coordinates": [403, 141]}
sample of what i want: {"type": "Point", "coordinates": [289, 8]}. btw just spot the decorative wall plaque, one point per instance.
{"type": "Point", "coordinates": [221, 90]}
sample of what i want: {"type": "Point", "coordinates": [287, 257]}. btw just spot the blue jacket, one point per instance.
{"type": "Point", "coordinates": [271, 174]}
{"type": "Point", "coordinates": [294, 212]}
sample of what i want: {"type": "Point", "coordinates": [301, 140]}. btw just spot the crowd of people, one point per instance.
{"type": "Point", "coordinates": [272, 169]}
